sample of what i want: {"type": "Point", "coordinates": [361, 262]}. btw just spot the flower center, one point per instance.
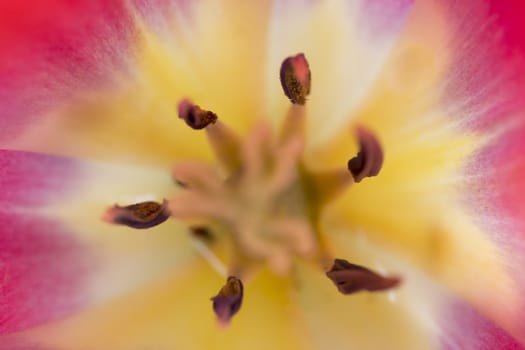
{"type": "Point", "coordinates": [261, 205]}
{"type": "Point", "coordinates": [265, 202]}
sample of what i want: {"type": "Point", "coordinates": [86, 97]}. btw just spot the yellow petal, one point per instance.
{"type": "Point", "coordinates": [403, 318]}
{"type": "Point", "coordinates": [210, 52]}
{"type": "Point", "coordinates": [124, 258]}
{"type": "Point", "coordinates": [345, 56]}
{"type": "Point", "coordinates": [177, 314]}
{"type": "Point", "coordinates": [417, 206]}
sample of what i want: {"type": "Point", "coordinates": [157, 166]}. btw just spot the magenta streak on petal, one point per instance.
{"type": "Point", "coordinates": [485, 91]}
{"type": "Point", "coordinates": [509, 15]}
{"type": "Point", "coordinates": [42, 270]}
{"type": "Point", "coordinates": [484, 87]}
{"type": "Point", "coordinates": [466, 329]}
{"type": "Point", "coordinates": [498, 187]}
{"type": "Point", "coordinates": [497, 204]}
{"type": "Point", "coordinates": [488, 80]}
{"type": "Point", "coordinates": [31, 179]}
{"type": "Point", "coordinates": [42, 267]}
{"type": "Point", "coordinates": [19, 342]}
{"type": "Point", "coordinates": [55, 51]}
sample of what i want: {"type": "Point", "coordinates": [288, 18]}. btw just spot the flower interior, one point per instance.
{"type": "Point", "coordinates": [312, 174]}
{"type": "Point", "coordinates": [263, 203]}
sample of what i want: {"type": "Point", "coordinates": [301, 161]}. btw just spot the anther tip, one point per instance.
{"type": "Point", "coordinates": [223, 323]}
{"type": "Point", "coordinates": [140, 215]}
{"type": "Point", "coordinates": [228, 301]}
{"type": "Point", "coordinates": [296, 78]}
{"type": "Point", "coordinates": [109, 214]}
{"type": "Point", "coordinates": [194, 116]}
{"type": "Point", "coordinates": [184, 107]}
{"type": "Point", "coordinates": [369, 160]}
{"type": "Point", "coordinates": [351, 278]}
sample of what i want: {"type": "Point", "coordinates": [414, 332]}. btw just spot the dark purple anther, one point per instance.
{"type": "Point", "coordinates": [369, 159]}
{"type": "Point", "coordinates": [141, 215]}
{"type": "Point", "coordinates": [296, 78]}
{"type": "Point", "coordinates": [350, 278]}
{"type": "Point", "coordinates": [229, 300]}
{"type": "Point", "coordinates": [196, 117]}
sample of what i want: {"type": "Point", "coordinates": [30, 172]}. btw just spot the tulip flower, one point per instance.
{"type": "Point", "coordinates": [286, 174]}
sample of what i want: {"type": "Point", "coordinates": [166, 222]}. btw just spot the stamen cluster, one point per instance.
{"type": "Point", "coordinates": [266, 202]}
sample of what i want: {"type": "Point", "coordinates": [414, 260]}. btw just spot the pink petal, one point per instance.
{"type": "Point", "coordinates": [484, 87]}
{"type": "Point", "coordinates": [41, 271]}
{"type": "Point", "coordinates": [485, 92]}
{"type": "Point", "coordinates": [509, 14]}
{"type": "Point", "coordinates": [8, 344]}
{"type": "Point", "coordinates": [41, 266]}
{"type": "Point", "coordinates": [54, 50]}
{"type": "Point", "coordinates": [498, 205]}
{"type": "Point", "coordinates": [56, 254]}
{"type": "Point", "coordinates": [488, 77]}
{"type": "Point", "coordinates": [29, 179]}
{"type": "Point", "coordinates": [466, 329]}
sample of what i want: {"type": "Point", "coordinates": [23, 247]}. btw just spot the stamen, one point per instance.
{"type": "Point", "coordinates": [197, 176]}
{"type": "Point", "coordinates": [296, 78]}
{"type": "Point", "coordinates": [196, 117]}
{"type": "Point", "coordinates": [268, 203]}
{"type": "Point", "coordinates": [328, 184]}
{"type": "Point", "coordinates": [140, 215]}
{"type": "Point", "coordinates": [294, 124]}
{"type": "Point", "coordinates": [225, 144]}
{"type": "Point", "coordinates": [285, 167]}
{"type": "Point", "coordinates": [350, 278]}
{"type": "Point", "coordinates": [369, 159]}
{"type": "Point", "coordinates": [229, 300]}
